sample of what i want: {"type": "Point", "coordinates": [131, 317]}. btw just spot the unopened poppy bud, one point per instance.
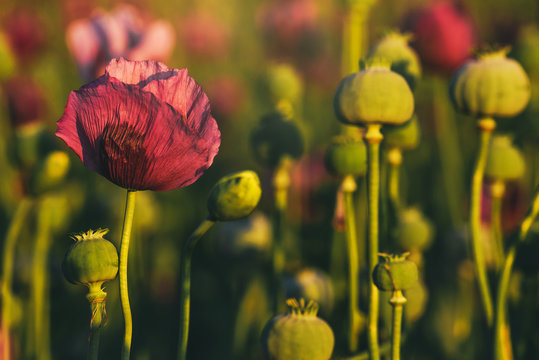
{"type": "Point", "coordinates": [284, 82]}
{"type": "Point", "coordinates": [346, 156]}
{"type": "Point", "coordinates": [404, 60]}
{"type": "Point", "coordinates": [91, 260]}
{"type": "Point", "coordinates": [394, 273]}
{"type": "Point", "coordinates": [504, 162]}
{"type": "Point", "coordinates": [492, 85]}
{"type": "Point", "coordinates": [415, 232]}
{"type": "Point", "coordinates": [298, 335]}
{"type": "Point", "coordinates": [274, 138]}
{"type": "Point", "coordinates": [50, 172]}
{"type": "Point", "coordinates": [374, 95]}
{"type": "Point", "coordinates": [405, 136]}
{"type": "Point", "coordinates": [234, 196]}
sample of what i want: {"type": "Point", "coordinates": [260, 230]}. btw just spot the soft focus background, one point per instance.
{"type": "Point", "coordinates": [49, 48]}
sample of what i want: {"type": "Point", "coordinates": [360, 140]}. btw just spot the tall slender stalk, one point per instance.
{"type": "Point", "coordinates": [185, 283]}
{"type": "Point", "coordinates": [373, 138]}
{"type": "Point", "coordinates": [397, 301]}
{"type": "Point", "coordinates": [497, 191]}
{"type": "Point", "coordinates": [349, 186]}
{"type": "Point", "coordinates": [502, 341]}
{"type": "Point", "coordinates": [486, 126]}
{"type": "Point", "coordinates": [124, 252]}
{"type": "Point", "coordinates": [13, 231]}
{"type": "Point", "coordinates": [96, 297]}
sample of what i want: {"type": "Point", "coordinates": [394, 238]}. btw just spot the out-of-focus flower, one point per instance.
{"type": "Point", "coordinates": [25, 32]}
{"type": "Point", "coordinates": [94, 41]}
{"type": "Point", "coordinates": [444, 36]}
{"type": "Point", "coordinates": [227, 95]}
{"type": "Point", "coordinates": [26, 102]}
{"type": "Point", "coordinates": [204, 36]}
{"type": "Point", "coordinates": [142, 125]}
{"type": "Point", "coordinates": [7, 58]}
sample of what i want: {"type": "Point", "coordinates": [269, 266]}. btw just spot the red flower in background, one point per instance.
{"type": "Point", "coordinates": [227, 95]}
{"type": "Point", "coordinates": [94, 41]}
{"type": "Point", "coordinates": [25, 33]}
{"type": "Point", "coordinates": [26, 102]}
{"type": "Point", "coordinates": [202, 35]}
{"type": "Point", "coordinates": [444, 36]}
{"type": "Point", "coordinates": [142, 125]}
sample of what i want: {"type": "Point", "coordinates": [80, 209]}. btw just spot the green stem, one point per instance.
{"type": "Point", "coordinates": [40, 284]}
{"type": "Point", "coordinates": [373, 138]}
{"type": "Point", "coordinates": [96, 297]}
{"type": "Point", "coordinates": [385, 349]}
{"type": "Point", "coordinates": [496, 223]}
{"type": "Point", "coordinates": [185, 281]}
{"type": "Point", "coordinates": [397, 301]}
{"type": "Point", "coordinates": [393, 185]}
{"type": "Point", "coordinates": [486, 126]}
{"type": "Point", "coordinates": [13, 231]}
{"type": "Point", "coordinates": [502, 343]}
{"type": "Point", "coordinates": [124, 252]}
{"type": "Point", "coordinates": [354, 318]}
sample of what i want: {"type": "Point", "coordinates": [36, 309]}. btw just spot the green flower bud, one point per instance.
{"type": "Point", "coordinates": [298, 335]}
{"type": "Point", "coordinates": [374, 95]}
{"type": "Point", "coordinates": [504, 162]}
{"type": "Point", "coordinates": [405, 136]}
{"type": "Point", "coordinates": [414, 231]}
{"type": "Point", "coordinates": [234, 196]}
{"type": "Point", "coordinates": [91, 260]}
{"type": "Point", "coordinates": [346, 155]}
{"type": "Point", "coordinates": [311, 284]}
{"type": "Point", "coordinates": [284, 82]}
{"type": "Point", "coordinates": [492, 85]}
{"type": "Point", "coordinates": [274, 138]}
{"type": "Point", "coordinates": [404, 60]}
{"type": "Point", "coordinates": [394, 273]}
{"type": "Point", "coordinates": [49, 173]}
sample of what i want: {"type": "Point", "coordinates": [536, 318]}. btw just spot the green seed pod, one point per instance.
{"type": "Point", "coordinates": [249, 238]}
{"type": "Point", "coordinates": [405, 136]}
{"type": "Point", "coordinates": [346, 155]}
{"type": "Point", "coordinates": [49, 173]}
{"type": "Point", "coordinates": [374, 95]}
{"type": "Point", "coordinates": [284, 82]}
{"type": "Point", "coordinates": [394, 273]}
{"type": "Point", "coordinates": [504, 162]}
{"type": "Point", "coordinates": [298, 335]}
{"type": "Point", "coordinates": [404, 60]}
{"type": "Point", "coordinates": [274, 138]}
{"type": "Point", "coordinates": [91, 260]}
{"type": "Point", "coordinates": [492, 85]}
{"type": "Point", "coordinates": [414, 231]}
{"type": "Point", "coordinates": [311, 284]}
{"type": "Point", "coordinates": [234, 196]}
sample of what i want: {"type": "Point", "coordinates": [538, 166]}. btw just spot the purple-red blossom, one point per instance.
{"type": "Point", "coordinates": [142, 125]}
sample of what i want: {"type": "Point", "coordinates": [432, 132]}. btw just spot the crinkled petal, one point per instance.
{"type": "Point", "coordinates": [132, 138]}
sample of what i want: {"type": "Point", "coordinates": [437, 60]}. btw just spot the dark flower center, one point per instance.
{"type": "Point", "coordinates": [123, 155]}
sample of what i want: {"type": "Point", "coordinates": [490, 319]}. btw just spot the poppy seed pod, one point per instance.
{"type": "Point", "coordinates": [346, 155]}
{"type": "Point", "coordinates": [394, 273]}
{"type": "Point", "coordinates": [284, 82]}
{"type": "Point", "coordinates": [504, 162]}
{"type": "Point", "coordinates": [492, 85]}
{"type": "Point", "coordinates": [234, 196]}
{"type": "Point", "coordinates": [274, 138]}
{"type": "Point", "coordinates": [374, 95]}
{"type": "Point", "coordinates": [415, 232]}
{"type": "Point", "coordinates": [404, 60]}
{"type": "Point", "coordinates": [298, 335]}
{"type": "Point", "coordinates": [50, 172]}
{"type": "Point", "coordinates": [405, 136]}
{"type": "Point", "coordinates": [91, 260]}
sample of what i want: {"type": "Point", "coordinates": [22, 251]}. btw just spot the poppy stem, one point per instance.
{"type": "Point", "coordinates": [497, 191]}
{"type": "Point", "coordinates": [397, 301]}
{"type": "Point", "coordinates": [14, 229]}
{"type": "Point", "coordinates": [486, 126]}
{"type": "Point", "coordinates": [124, 294]}
{"type": "Point", "coordinates": [348, 187]}
{"type": "Point", "coordinates": [96, 297]}
{"type": "Point", "coordinates": [502, 343]}
{"type": "Point", "coordinates": [373, 138]}
{"type": "Point", "coordinates": [185, 281]}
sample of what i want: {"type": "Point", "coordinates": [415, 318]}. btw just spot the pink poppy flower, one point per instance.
{"type": "Point", "coordinates": [204, 36]}
{"type": "Point", "coordinates": [142, 125]}
{"type": "Point", "coordinates": [25, 32]}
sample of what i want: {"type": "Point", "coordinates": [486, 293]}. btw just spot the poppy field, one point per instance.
{"type": "Point", "coordinates": [270, 179]}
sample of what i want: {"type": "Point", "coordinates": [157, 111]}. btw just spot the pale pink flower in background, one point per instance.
{"type": "Point", "coordinates": [204, 36]}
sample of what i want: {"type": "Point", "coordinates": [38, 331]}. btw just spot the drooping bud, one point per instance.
{"type": "Point", "coordinates": [298, 335]}
{"type": "Point", "coordinates": [394, 273]}
{"type": "Point", "coordinates": [234, 196]}
{"type": "Point", "coordinates": [346, 155]}
{"type": "Point", "coordinates": [374, 95]}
